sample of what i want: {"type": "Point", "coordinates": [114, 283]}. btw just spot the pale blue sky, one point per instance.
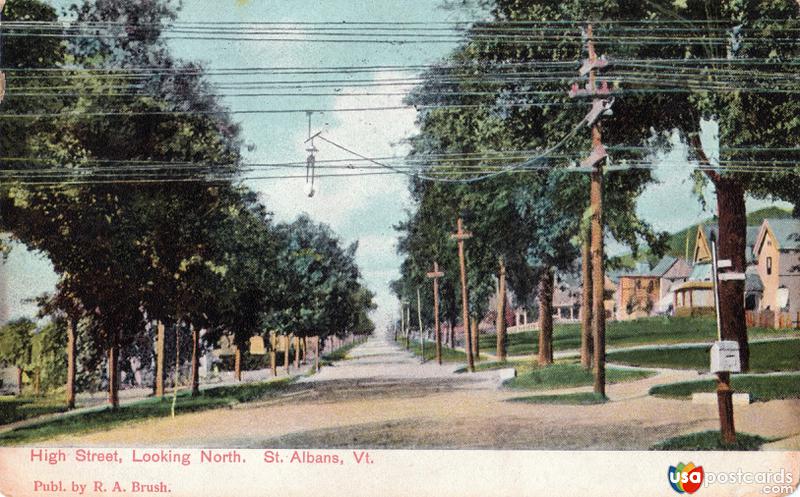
{"type": "Point", "coordinates": [363, 209]}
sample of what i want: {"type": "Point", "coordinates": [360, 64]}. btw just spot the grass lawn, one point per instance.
{"type": "Point", "coordinates": [448, 354]}
{"type": "Point", "coordinates": [761, 388]}
{"type": "Point", "coordinates": [576, 399]}
{"type": "Point", "coordinates": [104, 418]}
{"type": "Point", "coordinates": [568, 375]}
{"type": "Point", "coordinates": [710, 440]}
{"type": "Point", "coordinates": [16, 409]}
{"type": "Point", "coordinates": [645, 331]}
{"type": "Point", "coordinates": [765, 357]}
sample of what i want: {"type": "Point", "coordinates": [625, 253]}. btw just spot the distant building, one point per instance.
{"type": "Point", "coordinates": [644, 291]}
{"type": "Point", "coordinates": [777, 256]}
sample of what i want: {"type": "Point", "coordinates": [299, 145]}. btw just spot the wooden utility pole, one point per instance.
{"type": "Point", "coordinates": [435, 275]}
{"type": "Point", "coordinates": [460, 235]}
{"type": "Point", "coordinates": [500, 324]}
{"type": "Point", "coordinates": [407, 325]}
{"type": "Point", "coordinates": [596, 200]}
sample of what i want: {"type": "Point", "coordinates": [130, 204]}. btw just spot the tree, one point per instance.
{"type": "Point", "coordinates": [16, 346]}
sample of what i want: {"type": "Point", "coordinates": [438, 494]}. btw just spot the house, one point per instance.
{"type": "Point", "coordinates": [777, 256]}
{"type": "Point", "coordinates": [645, 291]}
{"type": "Point", "coordinates": [702, 243]}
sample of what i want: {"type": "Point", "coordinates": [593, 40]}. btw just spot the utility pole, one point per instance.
{"type": "Point", "coordinates": [435, 275]}
{"type": "Point", "coordinates": [419, 322]}
{"type": "Point", "coordinates": [500, 324]}
{"type": "Point", "coordinates": [460, 235]}
{"type": "Point", "coordinates": [594, 163]}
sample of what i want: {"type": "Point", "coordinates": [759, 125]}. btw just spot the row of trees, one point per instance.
{"type": "Point", "coordinates": [532, 224]}
{"type": "Point", "coordinates": [134, 247]}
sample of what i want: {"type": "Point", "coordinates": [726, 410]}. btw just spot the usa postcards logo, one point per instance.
{"type": "Point", "coordinates": [685, 478]}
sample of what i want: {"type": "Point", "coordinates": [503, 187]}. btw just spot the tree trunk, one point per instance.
{"type": "Point", "coordinates": [237, 364]}
{"type": "Point", "coordinates": [195, 361]}
{"type": "Point", "coordinates": [475, 337]}
{"type": "Point", "coordinates": [546, 318]}
{"type": "Point", "coordinates": [452, 333]}
{"type": "Point", "coordinates": [586, 302]}
{"type": "Point", "coordinates": [19, 380]}
{"type": "Point", "coordinates": [160, 339]}
{"type": "Point", "coordinates": [501, 312]}
{"type": "Point", "coordinates": [113, 371]}
{"type": "Point", "coordinates": [296, 352]}
{"type": "Point", "coordinates": [732, 245]}
{"type": "Point", "coordinates": [316, 354]}
{"type": "Point", "coordinates": [286, 353]}
{"type": "Point", "coordinates": [71, 326]}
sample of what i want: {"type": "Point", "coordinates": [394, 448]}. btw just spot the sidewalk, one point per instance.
{"type": "Point", "coordinates": [91, 402]}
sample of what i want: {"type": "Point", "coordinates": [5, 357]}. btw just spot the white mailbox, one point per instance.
{"type": "Point", "coordinates": [725, 357]}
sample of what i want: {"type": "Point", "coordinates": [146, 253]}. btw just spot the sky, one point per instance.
{"type": "Point", "coordinates": [362, 209]}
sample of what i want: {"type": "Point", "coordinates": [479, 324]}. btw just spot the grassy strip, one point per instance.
{"type": "Point", "coordinates": [340, 354]}
{"type": "Point", "coordinates": [448, 354]}
{"type": "Point", "coordinates": [783, 355]}
{"type": "Point", "coordinates": [710, 440]}
{"type": "Point", "coordinates": [18, 408]}
{"type": "Point", "coordinates": [568, 375]}
{"type": "Point", "coordinates": [760, 388]}
{"type": "Point", "coordinates": [655, 330]}
{"type": "Point", "coordinates": [575, 399]}
{"type": "Point", "coordinates": [105, 418]}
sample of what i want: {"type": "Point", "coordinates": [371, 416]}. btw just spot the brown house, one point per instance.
{"type": "Point", "coordinates": [644, 291]}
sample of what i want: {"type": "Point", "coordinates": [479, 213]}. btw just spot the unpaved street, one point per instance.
{"type": "Point", "coordinates": [383, 398]}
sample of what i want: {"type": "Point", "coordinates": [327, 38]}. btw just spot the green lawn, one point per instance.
{"type": "Point", "coordinates": [104, 418]}
{"type": "Point", "coordinates": [783, 355]}
{"type": "Point", "coordinates": [760, 387]}
{"type": "Point", "coordinates": [448, 354]}
{"type": "Point", "coordinates": [568, 375]}
{"type": "Point", "coordinates": [16, 408]}
{"type": "Point", "coordinates": [645, 331]}
{"type": "Point", "coordinates": [576, 399]}
{"type": "Point", "coordinates": [340, 353]}
{"type": "Point", "coordinates": [710, 440]}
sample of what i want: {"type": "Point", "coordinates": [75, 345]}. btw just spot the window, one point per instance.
{"type": "Point", "coordinates": [650, 286]}
{"type": "Point", "coordinates": [769, 265]}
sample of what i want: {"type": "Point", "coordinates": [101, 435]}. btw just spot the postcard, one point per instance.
{"type": "Point", "coordinates": [429, 247]}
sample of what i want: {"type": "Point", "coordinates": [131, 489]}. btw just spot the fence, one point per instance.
{"type": "Point", "coordinates": [772, 319]}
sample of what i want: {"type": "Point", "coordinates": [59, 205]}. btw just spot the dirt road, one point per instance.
{"type": "Point", "coordinates": [383, 398]}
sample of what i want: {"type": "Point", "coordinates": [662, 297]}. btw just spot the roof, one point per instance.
{"type": "Point", "coordinates": [695, 285]}
{"type": "Point", "coordinates": [752, 281]}
{"type": "Point", "coordinates": [787, 233]}
{"type": "Point", "coordinates": [701, 272]}
{"type": "Point", "coordinates": [663, 265]}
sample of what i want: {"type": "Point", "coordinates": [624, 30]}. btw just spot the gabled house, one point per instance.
{"type": "Point", "coordinates": [702, 243]}
{"type": "Point", "coordinates": [777, 255]}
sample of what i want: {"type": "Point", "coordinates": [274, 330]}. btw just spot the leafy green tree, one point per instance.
{"type": "Point", "coordinates": [16, 346]}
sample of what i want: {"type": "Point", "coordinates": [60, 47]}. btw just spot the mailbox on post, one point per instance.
{"type": "Point", "coordinates": [725, 357]}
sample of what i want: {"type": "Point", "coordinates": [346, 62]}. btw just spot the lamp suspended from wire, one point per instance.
{"type": "Point", "coordinates": [310, 187]}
